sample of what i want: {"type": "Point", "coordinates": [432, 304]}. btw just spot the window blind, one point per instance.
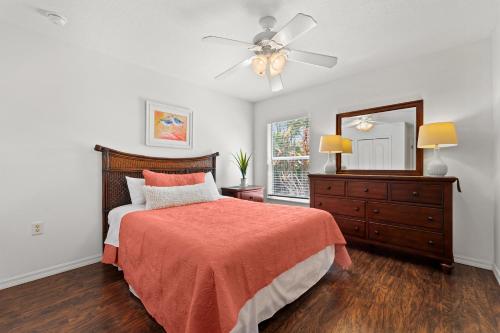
{"type": "Point", "coordinates": [289, 158]}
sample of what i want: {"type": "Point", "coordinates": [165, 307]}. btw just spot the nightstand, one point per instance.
{"type": "Point", "coordinates": [250, 192]}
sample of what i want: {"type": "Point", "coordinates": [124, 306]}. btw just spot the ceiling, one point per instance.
{"type": "Point", "coordinates": [164, 35]}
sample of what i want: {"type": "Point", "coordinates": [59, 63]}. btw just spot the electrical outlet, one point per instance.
{"type": "Point", "coordinates": [36, 228]}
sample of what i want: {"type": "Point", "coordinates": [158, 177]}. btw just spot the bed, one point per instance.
{"type": "Point", "coordinates": [220, 266]}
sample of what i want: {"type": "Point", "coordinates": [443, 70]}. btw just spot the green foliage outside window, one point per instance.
{"type": "Point", "coordinates": [290, 157]}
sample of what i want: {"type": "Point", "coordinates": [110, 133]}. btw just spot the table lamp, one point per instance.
{"type": "Point", "coordinates": [346, 149]}
{"type": "Point", "coordinates": [437, 135]}
{"type": "Point", "coordinates": [331, 144]}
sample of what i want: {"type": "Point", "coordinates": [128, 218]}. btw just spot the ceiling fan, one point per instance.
{"type": "Point", "coordinates": [271, 51]}
{"type": "Point", "coordinates": [363, 123]}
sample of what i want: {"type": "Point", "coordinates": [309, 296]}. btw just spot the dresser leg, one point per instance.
{"type": "Point", "coordinates": [447, 268]}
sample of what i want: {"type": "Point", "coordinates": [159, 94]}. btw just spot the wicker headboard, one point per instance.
{"type": "Point", "coordinates": [116, 165]}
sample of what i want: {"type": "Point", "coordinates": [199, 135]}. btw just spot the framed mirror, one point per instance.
{"type": "Point", "coordinates": [383, 140]}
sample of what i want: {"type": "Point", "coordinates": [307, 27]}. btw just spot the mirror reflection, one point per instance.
{"type": "Point", "coordinates": [381, 141]}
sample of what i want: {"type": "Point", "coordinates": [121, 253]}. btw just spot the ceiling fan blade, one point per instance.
{"type": "Point", "coordinates": [298, 26]}
{"type": "Point", "coordinates": [311, 58]}
{"type": "Point", "coordinates": [239, 65]}
{"type": "Point", "coordinates": [274, 81]}
{"type": "Point", "coordinates": [352, 123]}
{"type": "Point", "coordinates": [231, 42]}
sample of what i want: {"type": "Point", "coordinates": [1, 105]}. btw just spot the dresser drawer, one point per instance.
{"type": "Point", "coordinates": [420, 240]}
{"type": "Point", "coordinates": [256, 195]}
{"type": "Point", "coordinates": [330, 187]}
{"type": "Point", "coordinates": [369, 190]}
{"type": "Point", "coordinates": [405, 214]}
{"type": "Point", "coordinates": [338, 206]}
{"type": "Point", "coordinates": [414, 192]}
{"type": "Point", "coordinates": [351, 227]}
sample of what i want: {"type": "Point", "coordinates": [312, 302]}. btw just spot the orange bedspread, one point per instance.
{"type": "Point", "coordinates": [195, 266]}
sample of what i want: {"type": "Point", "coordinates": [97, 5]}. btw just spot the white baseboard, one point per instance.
{"type": "Point", "coordinates": [44, 272]}
{"type": "Point", "coordinates": [496, 271]}
{"type": "Point", "coordinates": [474, 262]}
{"type": "Point", "coordinates": [41, 273]}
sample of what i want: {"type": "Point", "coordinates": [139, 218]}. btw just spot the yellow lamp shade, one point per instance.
{"type": "Point", "coordinates": [437, 135]}
{"type": "Point", "coordinates": [346, 146]}
{"type": "Point", "coordinates": [330, 144]}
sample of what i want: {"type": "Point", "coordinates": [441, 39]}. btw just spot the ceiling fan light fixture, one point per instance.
{"type": "Point", "coordinates": [259, 64]}
{"type": "Point", "coordinates": [271, 49]}
{"type": "Point", "coordinates": [278, 62]}
{"type": "Point", "coordinates": [364, 126]}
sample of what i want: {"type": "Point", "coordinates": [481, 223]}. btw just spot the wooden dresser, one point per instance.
{"type": "Point", "coordinates": [411, 214]}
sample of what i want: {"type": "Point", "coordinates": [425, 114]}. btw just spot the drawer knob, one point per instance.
{"type": "Point", "coordinates": [356, 209]}
{"type": "Point", "coordinates": [430, 242]}
{"type": "Point", "coordinates": [251, 198]}
{"type": "Point", "coordinates": [430, 218]}
{"type": "Point", "coordinates": [365, 189]}
{"type": "Point", "coordinates": [356, 228]}
{"type": "Point", "coordinates": [415, 194]}
{"type": "Point", "coordinates": [329, 188]}
{"type": "Point", "coordinates": [376, 232]}
{"type": "Point", "coordinates": [320, 204]}
{"type": "Point", "coordinates": [376, 211]}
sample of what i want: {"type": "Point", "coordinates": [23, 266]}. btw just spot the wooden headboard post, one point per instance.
{"type": "Point", "coordinates": [116, 165]}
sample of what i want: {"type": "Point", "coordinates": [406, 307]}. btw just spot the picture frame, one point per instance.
{"type": "Point", "coordinates": [168, 125]}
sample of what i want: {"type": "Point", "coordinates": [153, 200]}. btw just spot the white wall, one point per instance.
{"type": "Point", "coordinates": [496, 112]}
{"type": "Point", "coordinates": [456, 86]}
{"type": "Point", "coordinates": [56, 102]}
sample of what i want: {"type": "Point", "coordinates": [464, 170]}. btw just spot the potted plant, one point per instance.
{"type": "Point", "coordinates": [242, 160]}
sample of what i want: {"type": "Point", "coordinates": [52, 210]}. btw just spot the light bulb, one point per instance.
{"type": "Point", "coordinates": [364, 126]}
{"type": "Point", "coordinates": [278, 62]}
{"type": "Point", "coordinates": [259, 64]}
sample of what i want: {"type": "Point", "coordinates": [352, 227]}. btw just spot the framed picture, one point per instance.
{"type": "Point", "coordinates": [168, 126]}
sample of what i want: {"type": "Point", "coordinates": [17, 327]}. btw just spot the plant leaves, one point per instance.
{"type": "Point", "coordinates": [242, 160]}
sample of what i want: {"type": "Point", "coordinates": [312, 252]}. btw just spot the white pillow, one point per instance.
{"type": "Point", "coordinates": [212, 187]}
{"type": "Point", "coordinates": [163, 197]}
{"type": "Point", "coordinates": [135, 188]}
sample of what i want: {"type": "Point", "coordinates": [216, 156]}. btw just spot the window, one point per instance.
{"type": "Point", "coordinates": [288, 158]}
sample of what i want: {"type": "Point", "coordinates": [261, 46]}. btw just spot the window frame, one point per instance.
{"type": "Point", "coordinates": [270, 159]}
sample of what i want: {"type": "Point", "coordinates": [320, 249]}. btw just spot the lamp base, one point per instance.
{"type": "Point", "coordinates": [330, 166]}
{"type": "Point", "coordinates": [436, 167]}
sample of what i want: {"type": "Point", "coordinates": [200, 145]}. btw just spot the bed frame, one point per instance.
{"type": "Point", "coordinates": [116, 165]}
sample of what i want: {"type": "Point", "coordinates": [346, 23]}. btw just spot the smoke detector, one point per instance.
{"type": "Point", "coordinates": [54, 17]}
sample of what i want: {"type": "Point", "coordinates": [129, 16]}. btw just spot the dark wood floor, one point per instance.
{"type": "Point", "coordinates": [380, 294]}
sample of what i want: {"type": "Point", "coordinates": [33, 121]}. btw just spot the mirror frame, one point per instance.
{"type": "Point", "coordinates": [419, 166]}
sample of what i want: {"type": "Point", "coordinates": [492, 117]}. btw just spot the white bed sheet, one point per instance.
{"type": "Point", "coordinates": [114, 220]}
{"type": "Point", "coordinates": [284, 289]}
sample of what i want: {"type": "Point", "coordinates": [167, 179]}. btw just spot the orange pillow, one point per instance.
{"type": "Point", "coordinates": [171, 179]}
